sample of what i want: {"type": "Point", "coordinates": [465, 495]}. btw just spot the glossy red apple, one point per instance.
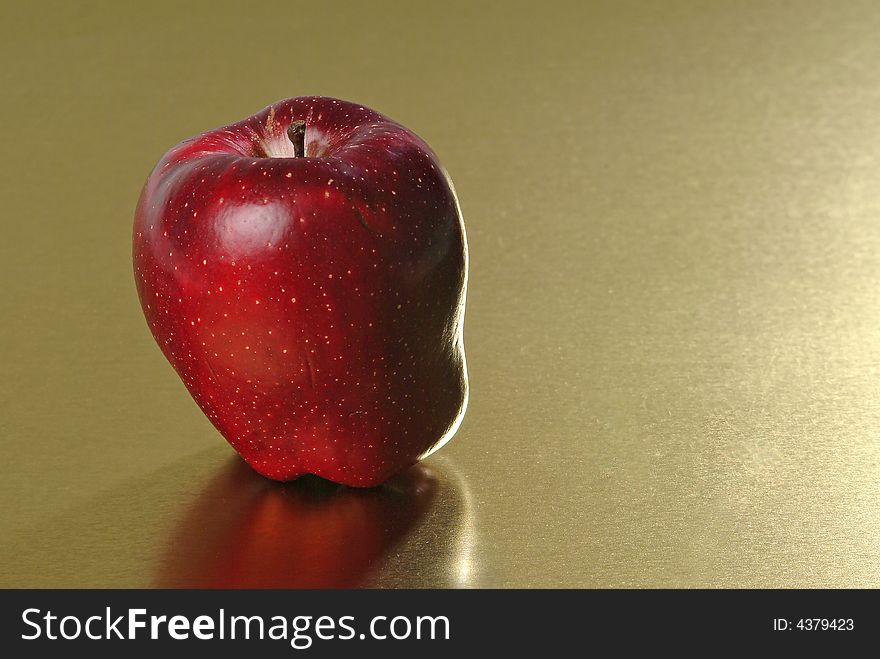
{"type": "Point", "coordinates": [304, 271]}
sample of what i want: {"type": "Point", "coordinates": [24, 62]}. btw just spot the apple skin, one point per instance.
{"type": "Point", "coordinates": [313, 306]}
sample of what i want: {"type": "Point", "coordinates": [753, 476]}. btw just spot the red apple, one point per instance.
{"type": "Point", "coordinates": [304, 272]}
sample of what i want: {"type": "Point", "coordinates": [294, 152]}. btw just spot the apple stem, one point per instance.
{"type": "Point", "coordinates": [297, 134]}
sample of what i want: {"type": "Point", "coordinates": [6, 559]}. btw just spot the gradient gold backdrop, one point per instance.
{"type": "Point", "coordinates": [672, 329]}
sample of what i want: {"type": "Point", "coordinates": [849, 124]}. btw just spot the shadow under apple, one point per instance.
{"type": "Point", "coordinates": [244, 531]}
{"type": "Point", "coordinates": [207, 520]}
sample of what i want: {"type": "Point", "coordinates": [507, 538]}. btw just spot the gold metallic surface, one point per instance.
{"type": "Point", "coordinates": [673, 325]}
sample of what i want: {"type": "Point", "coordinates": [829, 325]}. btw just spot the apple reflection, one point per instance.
{"type": "Point", "coordinates": [244, 531]}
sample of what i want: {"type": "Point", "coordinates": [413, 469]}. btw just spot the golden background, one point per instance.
{"type": "Point", "coordinates": [673, 325]}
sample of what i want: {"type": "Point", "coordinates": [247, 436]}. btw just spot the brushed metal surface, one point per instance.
{"type": "Point", "coordinates": [672, 326]}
